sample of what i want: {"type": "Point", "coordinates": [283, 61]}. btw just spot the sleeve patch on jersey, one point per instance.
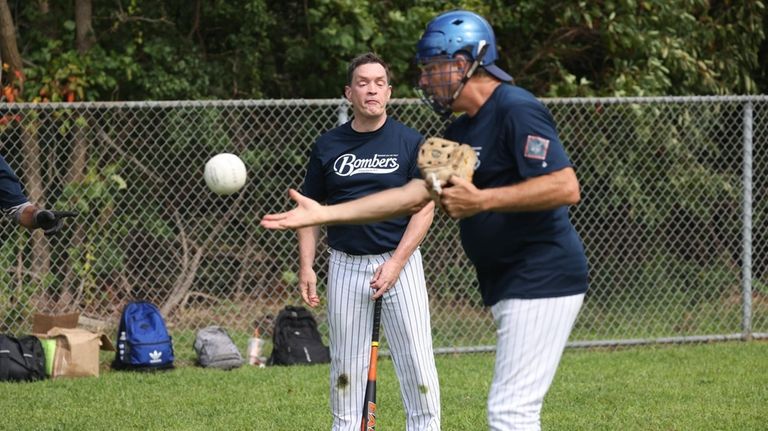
{"type": "Point", "coordinates": [536, 147]}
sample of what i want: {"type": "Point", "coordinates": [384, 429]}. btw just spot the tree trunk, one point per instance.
{"type": "Point", "coordinates": [9, 49]}
{"type": "Point", "coordinates": [47, 22]}
{"type": "Point", "coordinates": [84, 37]}
{"type": "Point", "coordinates": [85, 40]}
{"type": "Point", "coordinates": [33, 185]}
{"type": "Point", "coordinates": [189, 262]}
{"type": "Point", "coordinates": [72, 285]}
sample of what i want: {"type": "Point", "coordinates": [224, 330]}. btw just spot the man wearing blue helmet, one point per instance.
{"type": "Point", "coordinates": [450, 36]}
{"type": "Point", "coordinates": [17, 207]}
{"type": "Point", "coordinates": [530, 262]}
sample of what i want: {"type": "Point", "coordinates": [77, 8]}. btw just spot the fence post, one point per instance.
{"type": "Point", "coordinates": [343, 117]}
{"type": "Point", "coordinates": [746, 261]}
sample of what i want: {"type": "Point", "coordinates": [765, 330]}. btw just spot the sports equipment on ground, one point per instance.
{"type": "Point", "coordinates": [439, 159]}
{"type": "Point", "coordinates": [21, 359]}
{"type": "Point", "coordinates": [296, 339]}
{"type": "Point", "coordinates": [369, 400]}
{"type": "Point", "coordinates": [215, 349]}
{"type": "Point", "coordinates": [143, 342]}
{"type": "Point", "coordinates": [225, 174]}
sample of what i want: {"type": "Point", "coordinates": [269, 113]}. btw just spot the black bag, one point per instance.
{"type": "Point", "coordinates": [296, 340]}
{"type": "Point", "coordinates": [21, 359]}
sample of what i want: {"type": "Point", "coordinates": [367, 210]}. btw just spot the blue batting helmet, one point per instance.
{"type": "Point", "coordinates": [460, 31]}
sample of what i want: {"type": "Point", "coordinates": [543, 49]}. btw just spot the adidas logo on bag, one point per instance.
{"type": "Point", "coordinates": [155, 357]}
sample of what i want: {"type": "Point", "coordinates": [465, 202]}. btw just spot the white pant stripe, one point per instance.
{"type": "Point", "coordinates": [406, 327]}
{"type": "Point", "coordinates": [532, 334]}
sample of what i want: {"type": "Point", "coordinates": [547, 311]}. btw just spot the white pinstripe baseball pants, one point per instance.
{"type": "Point", "coordinates": [405, 323]}
{"type": "Point", "coordinates": [531, 336]}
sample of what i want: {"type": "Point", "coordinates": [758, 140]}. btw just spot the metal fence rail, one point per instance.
{"type": "Point", "coordinates": [673, 216]}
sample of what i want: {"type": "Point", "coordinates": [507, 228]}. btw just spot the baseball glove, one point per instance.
{"type": "Point", "coordinates": [439, 159]}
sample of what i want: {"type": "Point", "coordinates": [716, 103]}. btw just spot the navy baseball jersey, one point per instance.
{"type": "Point", "coordinates": [345, 165]}
{"type": "Point", "coordinates": [10, 188]}
{"type": "Point", "coordinates": [518, 254]}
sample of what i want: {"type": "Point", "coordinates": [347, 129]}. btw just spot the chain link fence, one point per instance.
{"type": "Point", "coordinates": [673, 216]}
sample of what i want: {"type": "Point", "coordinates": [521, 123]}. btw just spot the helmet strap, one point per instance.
{"type": "Point", "coordinates": [482, 48]}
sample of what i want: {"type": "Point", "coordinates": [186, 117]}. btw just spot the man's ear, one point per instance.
{"type": "Point", "coordinates": [462, 60]}
{"type": "Point", "coordinates": [347, 90]}
{"type": "Point", "coordinates": [463, 63]}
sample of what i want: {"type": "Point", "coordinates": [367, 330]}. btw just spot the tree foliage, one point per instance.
{"type": "Point", "coordinates": [667, 173]}
{"type": "Point", "coordinates": [237, 49]}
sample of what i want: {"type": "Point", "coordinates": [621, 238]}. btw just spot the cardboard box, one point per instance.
{"type": "Point", "coordinates": [41, 323]}
{"type": "Point", "coordinates": [76, 351]}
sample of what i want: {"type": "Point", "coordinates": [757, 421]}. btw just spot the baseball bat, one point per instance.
{"type": "Point", "coordinates": [369, 401]}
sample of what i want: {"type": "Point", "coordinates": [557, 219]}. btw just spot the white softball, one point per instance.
{"type": "Point", "coordinates": [225, 174]}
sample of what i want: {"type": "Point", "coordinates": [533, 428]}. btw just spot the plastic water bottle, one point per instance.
{"type": "Point", "coordinates": [255, 347]}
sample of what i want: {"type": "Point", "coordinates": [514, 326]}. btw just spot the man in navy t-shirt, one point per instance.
{"type": "Point", "coordinates": [17, 207]}
{"type": "Point", "coordinates": [368, 154]}
{"type": "Point", "coordinates": [534, 253]}
{"type": "Point", "coordinates": [515, 228]}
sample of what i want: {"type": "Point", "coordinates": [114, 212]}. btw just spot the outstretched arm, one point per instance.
{"type": "Point", "coordinates": [407, 199]}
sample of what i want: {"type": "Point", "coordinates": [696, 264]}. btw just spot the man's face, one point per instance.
{"type": "Point", "coordinates": [369, 91]}
{"type": "Point", "coordinates": [440, 78]}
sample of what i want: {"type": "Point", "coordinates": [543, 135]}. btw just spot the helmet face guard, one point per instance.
{"type": "Point", "coordinates": [447, 36]}
{"type": "Point", "coordinates": [438, 84]}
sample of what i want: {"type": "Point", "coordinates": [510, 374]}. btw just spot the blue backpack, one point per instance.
{"type": "Point", "coordinates": [143, 342]}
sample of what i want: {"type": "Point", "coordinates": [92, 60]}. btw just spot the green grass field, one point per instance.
{"type": "Point", "coordinates": [719, 386]}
